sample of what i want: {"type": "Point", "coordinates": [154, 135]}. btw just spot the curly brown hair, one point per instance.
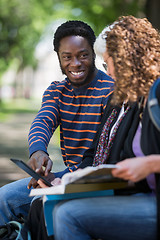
{"type": "Point", "coordinates": [134, 45]}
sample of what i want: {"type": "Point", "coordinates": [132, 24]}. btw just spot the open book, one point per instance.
{"type": "Point", "coordinates": [84, 180]}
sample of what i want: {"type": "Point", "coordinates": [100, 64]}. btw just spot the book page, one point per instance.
{"type": "Point", "coordinates": [93, 173]}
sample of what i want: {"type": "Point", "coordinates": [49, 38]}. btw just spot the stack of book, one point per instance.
{"type": "Point", "coordinates": [85, 180]}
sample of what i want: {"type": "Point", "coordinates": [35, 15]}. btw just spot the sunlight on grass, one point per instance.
{"type": "Point", "coordinates": [17, 106]}
{"type": "Point", "coordinates": [3, 116]}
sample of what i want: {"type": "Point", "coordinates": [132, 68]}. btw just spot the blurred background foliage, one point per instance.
{"type": "Point", "coordinates": [23, 23]}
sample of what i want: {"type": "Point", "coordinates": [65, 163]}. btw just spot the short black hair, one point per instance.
{"type": "Point", "coordinates": [73, 28]}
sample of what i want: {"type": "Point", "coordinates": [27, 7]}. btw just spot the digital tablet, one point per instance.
{"type": "Point", "coordinates": [30, 171]}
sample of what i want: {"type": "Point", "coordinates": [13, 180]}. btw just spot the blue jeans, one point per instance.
{"type": "Point", "coordinates": [110, 218]}
{"type": "Point", "coordinates": [15, 200]}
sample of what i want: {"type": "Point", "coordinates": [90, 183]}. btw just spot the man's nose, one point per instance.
{"type": "Point", "coordinates": [75, 62]}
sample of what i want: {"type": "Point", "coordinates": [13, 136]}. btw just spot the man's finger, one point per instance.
{"type": "Point", "coordinates": [48, 167]}
{"type": "Point", "coordinates": [33, 183]}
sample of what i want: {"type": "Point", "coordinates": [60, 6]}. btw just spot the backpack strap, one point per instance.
{"type": "Point", "coordinates": [153, 104]}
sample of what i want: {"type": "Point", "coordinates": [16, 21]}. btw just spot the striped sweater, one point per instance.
{"type": "Point", "coordinates": [78, 111]}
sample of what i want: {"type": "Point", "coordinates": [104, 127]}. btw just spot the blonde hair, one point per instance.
{"type": "Point", "coordinates": [100, 43]}
{"type": "Point", "coordinates": [134, 46]}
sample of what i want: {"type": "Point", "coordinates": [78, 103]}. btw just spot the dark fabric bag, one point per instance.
{"type": "Point", "coordinates": [12, 231]}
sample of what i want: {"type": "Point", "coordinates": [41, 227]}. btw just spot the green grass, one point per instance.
{"type": "Point", "coordinates": [17, 106]}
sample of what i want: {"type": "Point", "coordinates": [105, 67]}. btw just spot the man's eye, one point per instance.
{"type": "Point", "coordinates": [105, 66]}
{"type": "Point", "coordinates": [85, 55]}
{"type": "Point", "coordinates": [66, 57]}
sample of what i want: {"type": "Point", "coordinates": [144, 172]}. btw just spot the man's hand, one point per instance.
{"type": "Point", "coordinates": [38, 160]}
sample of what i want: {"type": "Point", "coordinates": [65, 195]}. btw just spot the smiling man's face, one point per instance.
{"type": "Point", "coordinates": [77, 60]}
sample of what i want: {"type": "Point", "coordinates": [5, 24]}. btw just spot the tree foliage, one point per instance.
{"type": "Point", "coordinates": [102, 12]}
{"type": "Point", "coordinates": [21, 25]}
{"type": "Point", "coordinates": [23, 21]}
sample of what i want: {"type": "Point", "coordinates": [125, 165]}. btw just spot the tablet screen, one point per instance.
{"type": "Point", "coordinates": [30, 171]}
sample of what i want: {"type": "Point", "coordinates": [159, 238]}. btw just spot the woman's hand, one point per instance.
{"type": "Point", "coordinates": [134, 169]}
{"type": "Point", "coordinates": [55, 182]}
{"type": "Point", "coordinates": [35, 184]}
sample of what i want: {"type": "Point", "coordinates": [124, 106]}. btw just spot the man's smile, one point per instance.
{"type": "Point", "coordinates": [77, 74]}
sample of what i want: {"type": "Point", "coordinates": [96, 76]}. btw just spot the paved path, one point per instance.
{"type": "Point", "coordinates": [13, 144]}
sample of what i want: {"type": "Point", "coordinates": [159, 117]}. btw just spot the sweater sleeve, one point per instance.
{"type": "Point", "coordinates": [45, 123]}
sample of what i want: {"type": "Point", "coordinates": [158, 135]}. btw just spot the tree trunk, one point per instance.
{"type": "Point", "coordinates": [152, 10]}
